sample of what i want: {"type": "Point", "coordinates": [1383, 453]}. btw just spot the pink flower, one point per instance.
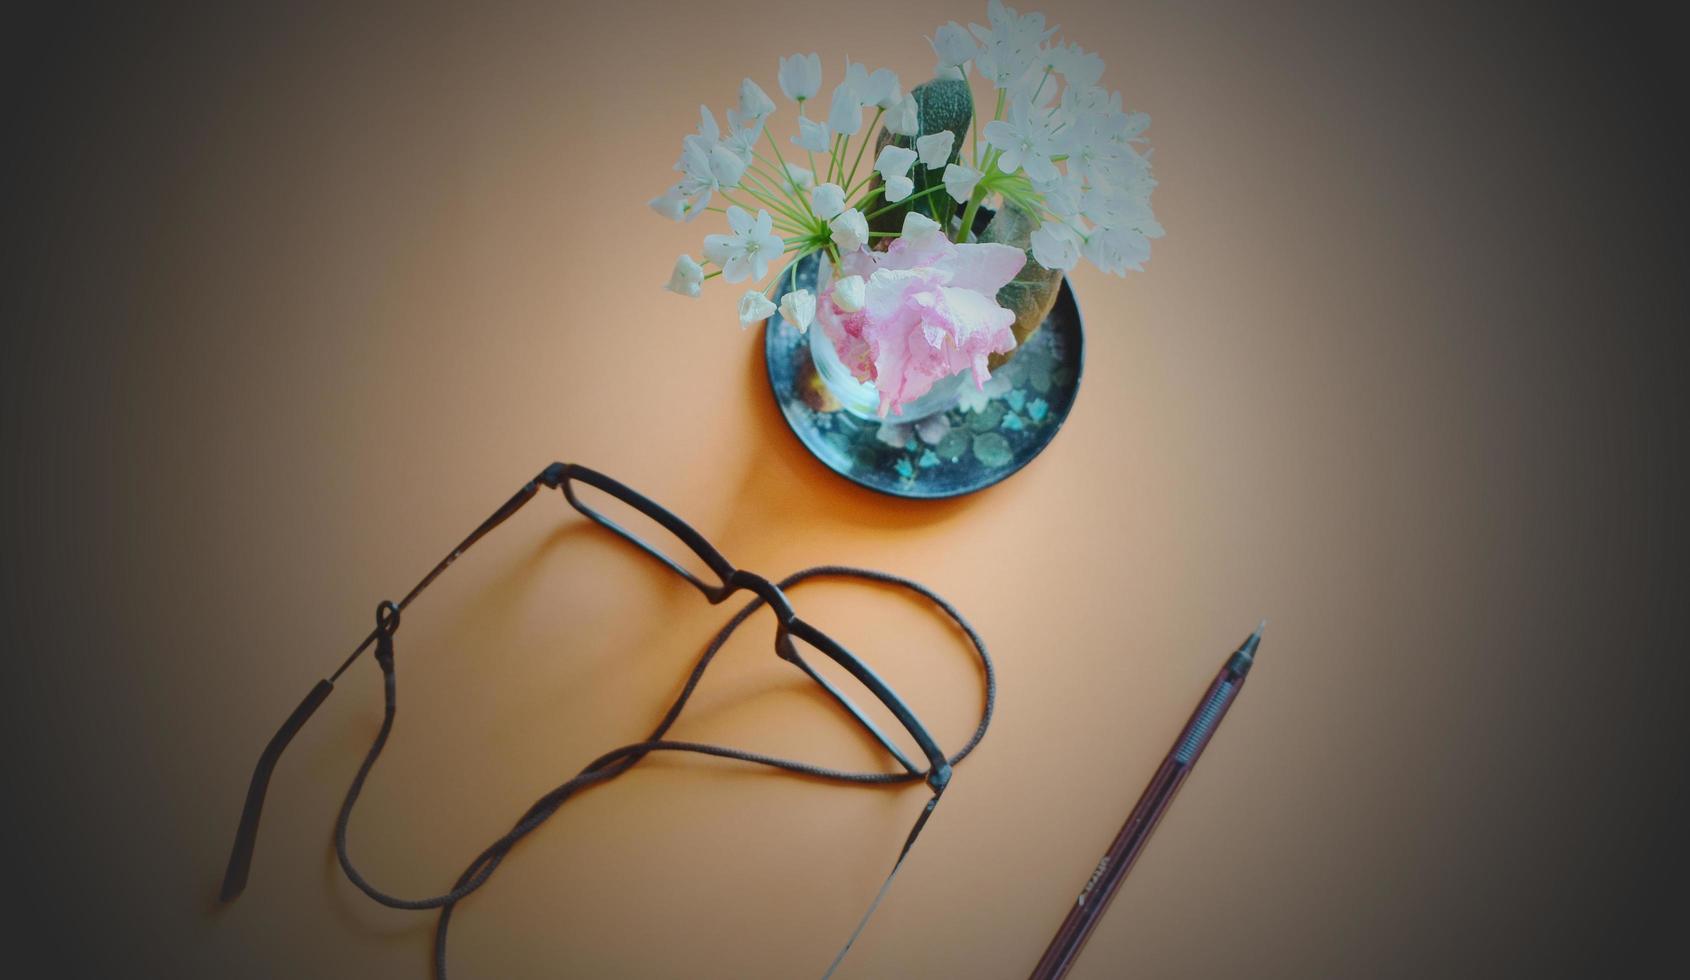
{"type": "Point", "coordinates": [930, 312]}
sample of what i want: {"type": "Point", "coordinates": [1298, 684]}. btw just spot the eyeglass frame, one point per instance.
{"type": "Point", "coordinates": [730, 581]}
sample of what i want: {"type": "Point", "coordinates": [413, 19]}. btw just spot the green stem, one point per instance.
{"type": "Point", "coordinates": [811, 152]}
{"type": "Point", "coordinates": [836, 166]}
{"type": "Point", "coordinates": [769, 198]}
{"type": "Point", "coordinates": [797, 192]}
{"type": "Point", "coordinates": [864, 145]}
{"type": "Point", "coordinates": [974, 200]}
{"type": "Point", "coordinates": [912, 197]}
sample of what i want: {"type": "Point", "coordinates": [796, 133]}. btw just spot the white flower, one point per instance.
{"type": "Point", "coordinates": [1026, 142]}
{"type": "Point", "coordinates": [953, 46]}
{"type": "Point", "coordinates": [754, 307]}
{"type": "Point", "coordinates": [754, 103]}
{"type": "Point", "coordinates": [1133, 125]}
{"type": "Point", "coordinates": [673, 204]}
{"type": "Point", "coordinates": [898, 188]}
{"type": "Point", "coordinates": [812, 135]}
{"type": "Point", "coordinates": [1010, 46]}
{"type": "Point", "coordinates": [960, 181]}
{"type": "Point", "coordinates": [709, 166]}
{"type": "Point", "coordinates": [745, 254]}
{"type": "Point", "coordinates": [1089, 100]}
{"type": "Point", "coordinates": [1121, 208]}
{"type": "Point", "coordinates": [894, 160]}
{"type": "Point", "coordinates": [850, 230]}
{"type": "Point", "coordinates": [801, 177]}
{"type": "Point", "coordinates": [688, 277]}
{"type": "Point", "coordinates": [1056, 246]}
{"type": "Point", "coordinates": [850, 293]}
{"type": "Point", "coordinates": [904, 118]}
{"type": "Point", "coordinates": [935, 148]}
{"type": "Point", "coordinates": [845, 118]}
{"type": "Point", "coordinates": [742, 139]}
{"type": "Point", "coordinates": [708, 131]}
{"type": "Point", "coordinates": [801, 76]}
{"type": "Point", "coordinates": [918, 228]}
{"type": "Point", "coordinates": [1092, 156]}
{"type": "Point", "coordinates": [827, 200]}
{"type": "Point", "coordinates": [1115, 250]}
{"type": "Point", "coordinates": [799, 309]}
{"type": "Point", "coordinates": [880, 89]}
{"type": "Point", "coordinates": [1061, 196]}
{"type": "Point", "coordinates": [1076, 65]}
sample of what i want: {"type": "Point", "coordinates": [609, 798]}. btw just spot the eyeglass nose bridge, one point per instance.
{"type": "Point", "coordinates": [763, 589]}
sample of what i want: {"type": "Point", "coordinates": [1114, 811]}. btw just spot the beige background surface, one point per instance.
{"type": "Point", "coordinates": [309, 294]}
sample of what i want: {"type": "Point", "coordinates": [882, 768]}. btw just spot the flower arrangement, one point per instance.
{"type": "Point", "coordinates": [918, 293]}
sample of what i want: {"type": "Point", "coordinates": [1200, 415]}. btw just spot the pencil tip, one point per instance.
{"type": "Point", "coordinates": [1254, 640]}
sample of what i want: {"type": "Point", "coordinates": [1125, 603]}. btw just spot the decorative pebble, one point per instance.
{"type": "Point", "coordinates": [992, 449]}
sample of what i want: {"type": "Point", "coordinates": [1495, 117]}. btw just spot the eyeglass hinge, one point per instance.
{"type": "Point", "coordinates": [552, 475]}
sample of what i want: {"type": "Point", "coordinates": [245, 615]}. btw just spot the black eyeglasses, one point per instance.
{"type": "Point", "coordinates": [719, 581]}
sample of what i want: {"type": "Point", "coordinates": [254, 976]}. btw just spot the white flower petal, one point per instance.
{"type": "Point", "coordinates": [850, 293]}
{"type": "Point", "coordinates": [754, 103]}
{"type": "Point", "coordinates": [717, 248]}
{"type": "Point", "coordinates": [754, 307]}
{"type": "Point", "coordinates": [934, 149]}
{"type": "Point", "coordinates": [799, 308]}
{"type": "Point", "coordinates": [707, 128]}
{"type": "Point", "coordinates": [828, 201]}
{"type": "Point", "coordinates": [904, 118]}
{"type": "Point", "coordinates": [688, 277]}
{"type": "Point", "coordinates": [894, 160]}
{"type": "Point", "coordinates": [801, 76]}
{"type": "Point", "coordinates": [812, 135]}
{"type": "Point", "coordinates": [898, 188]}
{"type": "Point", "coordinates": [850, 230]}
{"type": "Point", "coordinates": [726, 166]}
{"type": "Point", "coordinates": [882, 90]}
{"type": "Point", "coordinates": [1056, 246]}
{"type": "Point", "coordinates": [845, 118]}
{"type": "Point", "coordinates": [800, 176]}
{"type": "Point", "coordinates": [918, 227]}
{"type": "Point", "coordinates": [960, 181]}
{"type": "Point", "coordinates": [953, 45]}
{"type": "Point", "coordinates": [672, 204]}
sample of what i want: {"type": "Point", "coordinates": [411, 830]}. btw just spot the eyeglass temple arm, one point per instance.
{"type": "Point", "coordinates": [940, 773]}
{"type": "Point", "coordinates": [246, 835]}
{"type": "Point", "coordinates": [240, 859]}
